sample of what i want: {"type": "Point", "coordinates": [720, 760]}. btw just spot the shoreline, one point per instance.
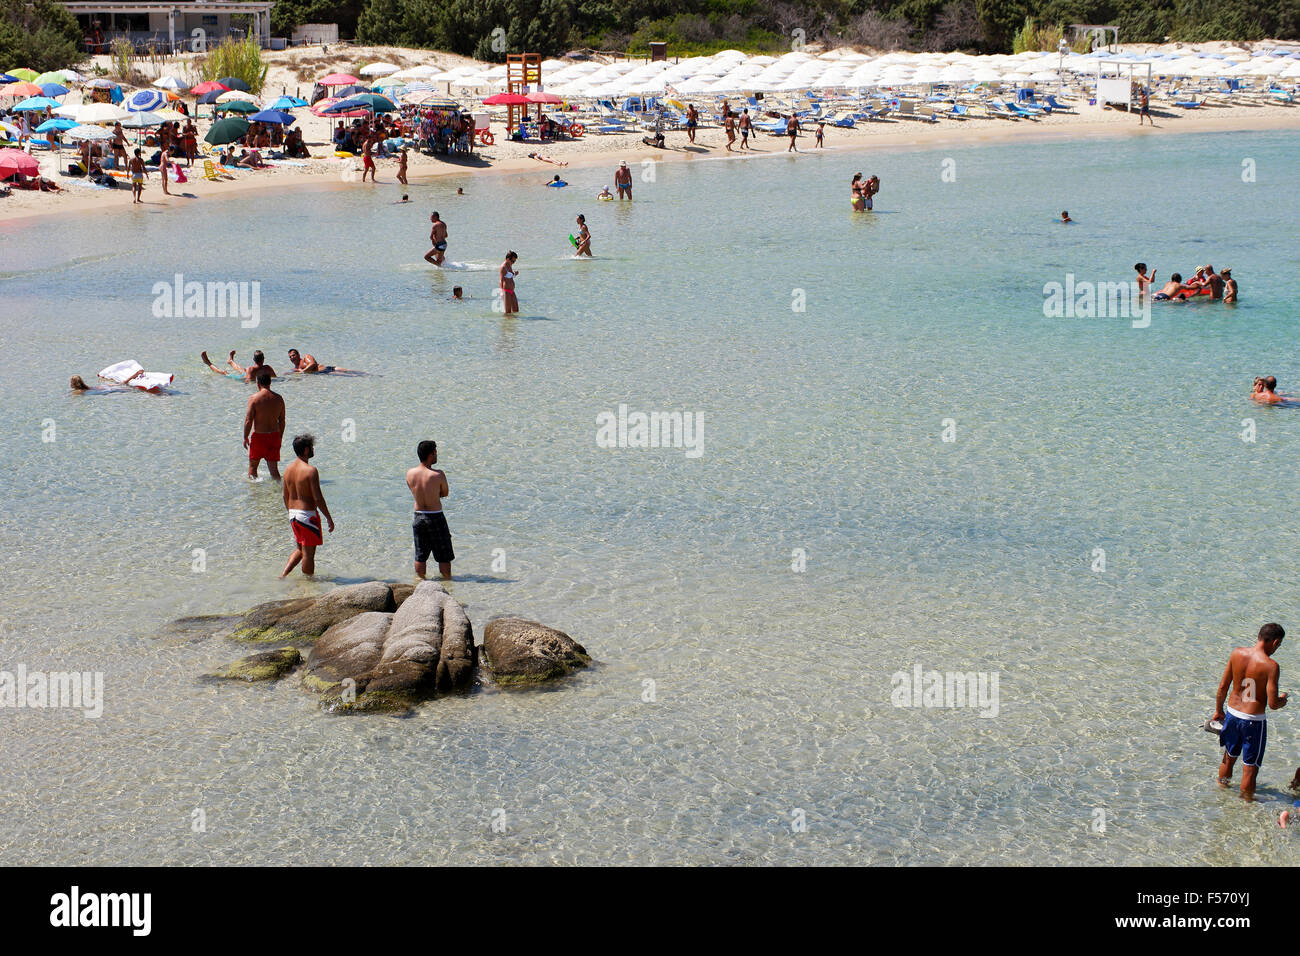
{"type": "Point", "coordinates": [910, 136]}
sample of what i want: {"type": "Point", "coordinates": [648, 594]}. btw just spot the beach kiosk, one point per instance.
{"type": "Point", "coordinates": [1117, 80]}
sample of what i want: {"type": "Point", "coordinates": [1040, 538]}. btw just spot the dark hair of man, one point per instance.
{"type": "Point", "coordinates": [1271, 632]}
{"type": "Point", "coordinates": [425, 449]}
{"type": "Point", "coordinates": [258, 356]}
{"type": "Point", "coordinates": [302, 443]}
{"type": "Point", "coordinates": [264, 379]}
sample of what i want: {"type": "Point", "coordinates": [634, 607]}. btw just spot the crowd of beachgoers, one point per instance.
{"type": "Point", "coordinates": [388, 115]}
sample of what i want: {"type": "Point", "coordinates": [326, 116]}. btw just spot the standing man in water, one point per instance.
{"type": "Point", "coordinates": [264, 428]}
{"type": "Point", "coordinates": [507, 278]}
{"type": "Point", "coordinates": [305, 503]}
{"type": "Point", "coordinates": [623, 181]}
{"type": "Point", "coordinates": [792, 130]}
{"type": "Point", "coordinates": [429, 486]}
{"type": "Point", "coordinates": [437, 236]}
{"type": "Point", "coordinates": [1252, 677]}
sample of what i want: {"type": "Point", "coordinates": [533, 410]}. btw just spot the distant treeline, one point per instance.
{"type": "Point", "coordinates": [488, 29]}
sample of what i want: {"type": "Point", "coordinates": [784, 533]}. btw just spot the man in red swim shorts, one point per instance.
{"type": "Point", "coordinates": [264, 427]}
{"type": "Point", "coordinates": [368, 158]}
{"type": "Point", "coordinates": [305, 503]}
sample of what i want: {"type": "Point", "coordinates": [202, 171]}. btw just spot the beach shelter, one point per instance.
{"type": "Point", "coordinates": [231, 95]}
{"type": "Point", "coordinates": [364, 101]}
{"type": "Point", "coordinates": [234, 83]}
{"type": "Point", "coordinates": [51, 76]}
{"type": "Point", "coordinates": [286, 103]}
{"type": "Point", "coordinates": [143, 120]}
{"type": "Point", "coordinates": [227, 131]}
{"type": "Point", "coordinates": [541, 97]}
{"type": "Point", "coordinates": [17, 161]}
{"type": "Point", "coordinates": [506, 99]}
{"type": "Point", "coordinates": [59, 124]}
{"type": "Point", "coordinates": [89, 113]}
{"type": "Point", "coordinates": [142, 101]}
{"type": "Point", "coordinates": [277, 117]}
{"type": "Point", "coordinates": [337, 79]}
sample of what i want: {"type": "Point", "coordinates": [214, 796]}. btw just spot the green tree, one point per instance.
{"type": "Point", "coordinates": [38, 34]}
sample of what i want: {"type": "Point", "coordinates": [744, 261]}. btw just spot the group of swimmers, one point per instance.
{"type": "Point", "coordinates": [1265, 392]}
{"type": "Point", "coordinates": [1220, 286]}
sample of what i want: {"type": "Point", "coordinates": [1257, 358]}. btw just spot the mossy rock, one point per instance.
{"type": "Point", "coordinates": [302, 620]}
{"type": "Point", "coordinates": [522, 653]}
{"type": "Point", "coordinates": [268, 665]}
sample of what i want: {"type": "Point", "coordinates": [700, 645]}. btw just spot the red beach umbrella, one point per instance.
{"type": "Point", "coordinates": [337, 79]}
{"type": "Point", "coordinates": [506, 99]}
{"type": "Point", "coordinates": [207, 87]}
{"type": "Point", "coordinates": [21, 90]}
{"type": "Point", "coordinates": [542, 97]}
{"type": "Point", "coordinates": [16, 161]}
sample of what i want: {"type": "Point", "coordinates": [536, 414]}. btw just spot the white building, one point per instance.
{"type": "Point", "coordinates": [170, 26]}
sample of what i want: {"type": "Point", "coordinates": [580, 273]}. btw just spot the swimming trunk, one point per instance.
{"type": "Point", "coordinates": [137, 177]}
{"type": "Point", "coordinates": [367, 162]}
{"type": "Point", "coordinates": [306, 527]}
{"type": "Point", "coordinates": [432, 535]}
{"type": "Point", "coordinates": [440, 246]}
{"type": "Point", "coordinates": [1244, 736]}
{"type": "Point", "coordinates": [1160, 297]}
{"type": "Point", "coordinates": [233, 374]}
{"type": "Point", "coordinates": [264, 445]}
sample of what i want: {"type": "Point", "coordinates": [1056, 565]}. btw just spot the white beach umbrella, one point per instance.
{"type": "Point", "coordinates": [174, 83]}
{"type": "Point", "coordinates": [1044, 76]}
{"type": "Point", "coordinates": [232, 95]}
{"type": "Point", "coordinates": [379, 69]}
{"type": "Point", "coordinates": [89, 113]}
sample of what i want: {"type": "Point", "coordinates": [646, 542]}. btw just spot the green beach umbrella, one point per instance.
{"type": "Point", "coordinates": [236, 106]}
{"type": "Point", "coordinates": [227, 131]}
{"type": "Point", "coordinates": [53, 76]}
{"type": "Point", "coordinates": [24, 74]}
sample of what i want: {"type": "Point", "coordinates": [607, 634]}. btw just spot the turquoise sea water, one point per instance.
{"type": "Point", "coordinates": [822, 432]}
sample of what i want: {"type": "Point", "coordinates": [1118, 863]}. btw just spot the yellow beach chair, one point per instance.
{"type": "Point", "coordinates": [210, 171]}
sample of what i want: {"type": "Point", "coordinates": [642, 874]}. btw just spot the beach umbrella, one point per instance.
{"type": "Point", "coordinates": [143, 120]}
{"type": "Point", "coordinates": [287, 103]}
{"type": "Point", "coordinates": [231, 95]}
{"type": "Point", "coordinates": [227, 131]}
{"type": "Point", "coordinates": [379, 69]}
{"type": "Point", "coordinates": [364, 101]}
{"type": "Point", "coordinates": [143, 101]}
{"type": "Point", "coordinates": [234, 83]}
{"type": "Point", "coordinates": [506, 99]}
{"type": "Point", "coordinates": [99, 113]}
{"type": "Point", "coordinates": [337, 79]}
{"type": "Point", "coordinates": [12, 132]}
{"type": "Point", "coordinates": [209, 97]}
{"type": "Point", "coordinates": [174, 83]}
{"type": "Point", "coordinates": [22, 73]}
{"type": "Point", "coordinates": [100, 84]}
{"type": "Point", "coordinates": [541, 97]}
{"type": "Point", "coordinates": [278, 117]}
{"type": "Point", "coordinates": [236, 106]}
{"type": "Point", "coordinates": [346, 91]}
{"type": "Point", "coordinates": [21, 90]}
{"type": "Point", "coordinates": [71, 76]}
{"type": "Point", "coordinates": [89, 132]}
{"type": "Point", "coordinates": [53, 89]}
{"type": "Point", "coordinates": [16, 161]}
{"type": "Point", "coordinates": [59, 124]}
{"type": "Point", "coordinates": [209, 86]}
{"type": "Point", "coordinates": [6, 78]}
{"type": "Point", "coordinates": [51, 76]}
{"type": "Point", "coordinates": [35, 103]}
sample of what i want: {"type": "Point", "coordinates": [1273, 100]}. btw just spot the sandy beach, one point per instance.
{"type": "Point", "coordinates": [293, 72]}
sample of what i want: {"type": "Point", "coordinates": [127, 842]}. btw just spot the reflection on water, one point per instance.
{"type": "Point", "coordinates": [732, 689]}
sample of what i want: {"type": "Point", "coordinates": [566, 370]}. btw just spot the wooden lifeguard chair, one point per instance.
{"type": "Point", "coordinates": [523, 73]}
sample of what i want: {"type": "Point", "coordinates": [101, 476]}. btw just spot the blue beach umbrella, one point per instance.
{"type": "Point", "coordinates": [142, 101]}
{"type": "Point", "coordinates": [278, 117]}
{"type": "Point", "coordinates": [210, 96]}
{"type": "Point", "coordinates": [363, 101]}
{"type": "Point", "coordinates": [59, 123]}
{"type": "Point", "coordinates": [287, 103]}
{"type": "Point", "coordinates": [35, 103]}
{"type": "Point", "coordinates": [6, 78]}
{"type": "Point", "coordinates": [53, 89]}
{"type": "Point", "coordinates": [351, 90]}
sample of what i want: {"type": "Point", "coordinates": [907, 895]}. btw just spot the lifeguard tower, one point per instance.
{"type": "Point", "coordinates": [523, 75]}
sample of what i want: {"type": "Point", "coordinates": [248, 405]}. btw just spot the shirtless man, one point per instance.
{"type": "Point", "coordinates": [306, 503]}
{"type": "Point", "coordinates": [307, 365]}
{"type": "Point", "coordinates": [1173, 289]}
{"type": "Point", "coordinates": [429, 486]}
{"type": "Point", "coordinates": [692, 122]}
{"type": "Point", "coordinates": [507, 274]}
{"type": "Point", "coordinates": [264, 428]}
{"type": "Point", "coordinates": [1268, 394]}
{"type": "Point", "coordinates": [1252, 677]}
{"type": "Point", "coordinates": [584, 237]}
{"type": "Point", "coordinates": [1229, 286]}
{"type": "Point", "coordinates": [368, 158]}
{"type": "Point", "coordinates": [138, 174]}
{"type": "Point", "coordinates": [792, 130]}
{"type": "Point", "coordinates": [1214, 281]}
{"type": "Point", "coordinates": [249, 374]}
{"type": "Point", "coordinates": [623, 181]}
{"type": "Point", "coordinates": [746, 127]}
{"type": "Point", "coordinates": [437, 236]}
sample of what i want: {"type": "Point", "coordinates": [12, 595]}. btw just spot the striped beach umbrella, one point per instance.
{"type": "Point", "coordinates": [143, 101]}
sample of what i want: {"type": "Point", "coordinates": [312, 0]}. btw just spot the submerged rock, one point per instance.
{"type": "Point", "coordinates": [526, 652]}
{"type": "Point", "coordinates": [269, 665]}
{"type": "Point", "coordinates": [306, 619]}
{"type": "Point", "coordinates": [378, 661]}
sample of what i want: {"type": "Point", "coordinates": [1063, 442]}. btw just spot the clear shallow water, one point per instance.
{"type": "Point", "coordinates": [822, 432]}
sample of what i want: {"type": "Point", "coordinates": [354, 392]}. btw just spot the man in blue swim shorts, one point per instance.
{"type": "Point", "coordinates": [1252, 677]}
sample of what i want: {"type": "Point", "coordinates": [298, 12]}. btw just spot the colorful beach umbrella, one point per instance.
{"type": "Point", "coordinates": [347, 91]}
{"type": "Point", "coordinates": [33, 103]}
{"type": "Point", "coordinates": [364, 101]}
{"type": "Point", "coordinates": [21, 90]}
{"type": "Point", "coordinates": [227, 131]}
{"type": "Point", "coordinates": [286, 103]}
{"type": "Point", "coordinates": [234, 83]}
{"type": "Point", "coordinates": [16, 161]}
{"type": "Point", "coordinates": [334, 79]}
{"type": "Point", "coordinates": [58, 124]}
{"type": "Point", "coordinates": [236, 106]}
{"type": "Point", "coordinates": [506, 99]}
{"type": "Point", "coordinates": [142, 101]}
{"type": "Point", "coordinates": [22, 73]}
{"type": "Point", "coordinates": [6, 78]}
{"type": "Point", "coordinates": [208, 86]}
{"type": "Point", "coordinates": [51, 76]}
{"type": "Point", "coordinates": [277, 117]}
{"type": "Point", "coordinates": [209, 97]}
{"type": "Point", "coordinates": [53, 89]}
{"type": "Point", "coordinates": [541, 97]}
{"type": "Point", "coordinates": [13, 132]}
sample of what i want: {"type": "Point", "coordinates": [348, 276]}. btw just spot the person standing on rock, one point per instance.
{"type": "Point", "coordinates": [429, 486]}
{"type": "Point", "coordinates": [306, 503]}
